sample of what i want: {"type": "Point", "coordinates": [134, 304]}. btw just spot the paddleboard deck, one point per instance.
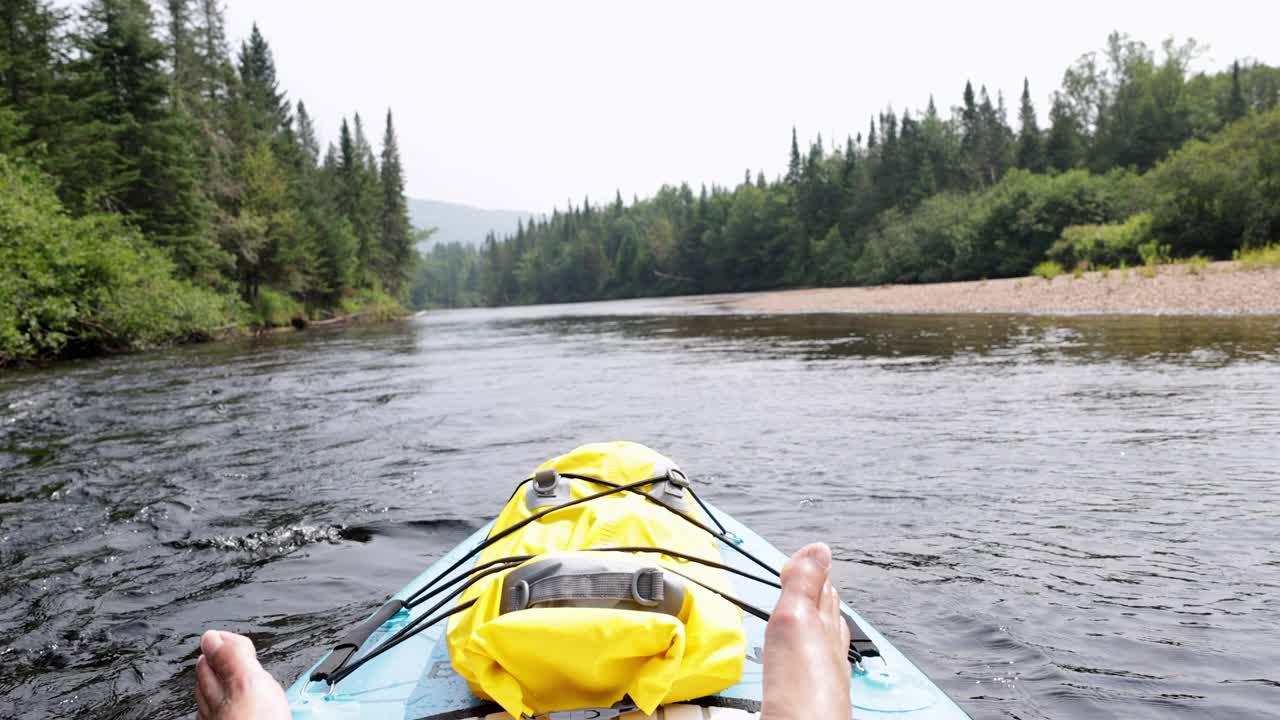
{"type": "Point", "coordinates": [416, 681]}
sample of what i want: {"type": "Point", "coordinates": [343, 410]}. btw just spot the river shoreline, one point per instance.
{"type": "Point", "coordinates": [1220, 288]}
{"type": "Point", "coordinates": [223, 334]}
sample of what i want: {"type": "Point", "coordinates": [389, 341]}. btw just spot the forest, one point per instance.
{"type": "Point", "coordinates": [157, 187]}
{"type": "Point", "coordinates": [1142, 159]}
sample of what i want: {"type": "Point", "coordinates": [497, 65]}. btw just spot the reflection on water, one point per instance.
{"type": "Point", "coordinates": [1056, 517]}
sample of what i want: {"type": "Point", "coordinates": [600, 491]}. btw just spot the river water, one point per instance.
{"type": "Point", "coordinates": [1055, 517]}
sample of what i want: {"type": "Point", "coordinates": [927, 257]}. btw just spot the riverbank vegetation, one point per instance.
{"type": "Point", "coordinates": [154, 188]}
{"type": "Point", "coordinates": [1141, 157]}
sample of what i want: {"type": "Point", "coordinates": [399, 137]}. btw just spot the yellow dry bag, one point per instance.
{"type": "Point", "coordinates": [579, 625]}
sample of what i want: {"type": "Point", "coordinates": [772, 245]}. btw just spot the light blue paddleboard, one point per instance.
{"type": "Point", "coordinates": [416, 681]}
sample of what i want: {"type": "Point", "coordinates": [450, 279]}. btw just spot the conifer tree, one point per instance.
{"type": "Point", "coordinates": [359, 198]}
{"type": "Point", "coordinates": [793, 165]}
{"type": "Point", "coordinates": [184, 65]}
{"type": "Point", "coordinates": [31, 99]}
{"type": "Point", "coordinates": [970, 124]}
{"type": "Point", "coordinates": [209, 32]}
{"type": "Point", "coordinates": [307, 140]}
{"type": "Point", "coordinates": [1063, 149]}
{"type": "Point", "coordinates": [850, 168]}
{"type": "Point", "coordinates": [145, 165]}
{"type": "Point", "coordinates": [269, 110]}
{"type": "Point", "coordinates": [363, 148]}
{"type": "Point", "coordinates": [1236, 105]}
{"type": "Point", "coordinates": [1030, 155]}
{"type": "Point", "coordinates": [397, 233]}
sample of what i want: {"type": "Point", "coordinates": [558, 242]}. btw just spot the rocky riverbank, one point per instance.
{"type": "Point", "coordinates": [1182, 289]}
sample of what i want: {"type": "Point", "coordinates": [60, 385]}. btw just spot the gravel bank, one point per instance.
{"type": "Point", "coordinates": [1219, 289]}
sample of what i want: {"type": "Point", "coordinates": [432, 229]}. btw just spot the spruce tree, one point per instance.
{"type": "Point", "coordinates": [269, 110]}
{"type": "Point", "coordinates": [793, 165]}
{"type": "Point", "coordinates": [184, 62]}
{"type": "Point", "coordinates": [143, 163]}
{"type": "Point", "coordinates": [359, 198]}
{"type": "Point", "coordinates": [217, 74]}
{"type": "Point", "coordinates": [307, 140]}
{"type": "Point", "coordinates": [397, 233]}
{"type": "Point", "coordinates": [850, 169]}
{"type": "Point", "coordinates": [1236, 105]}
{"type": "Point", "coordinates": [995, 140]}
{"type": "Point", "coordinates": [970, 127]}
{"type": "Point", "coordinates": [1030, 155]}
{"type": "Point", "coordinates": [1063, 148]}
{"type": "Point", "coordinates": [363, 148]}
{"type": "Point", "coordinates": [30, 95]}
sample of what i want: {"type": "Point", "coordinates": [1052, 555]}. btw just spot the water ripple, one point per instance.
{"type": "Point", "coordinates": [1057, 518]}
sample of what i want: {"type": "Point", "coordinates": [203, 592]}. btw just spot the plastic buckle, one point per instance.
{"type": "Point", "coordinates": [636, 576]}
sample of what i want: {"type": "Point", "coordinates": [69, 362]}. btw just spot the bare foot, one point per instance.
{"type": "Point", "coordinates": [806, 644]}
{"type": "Point", "coordinates": [231, 684]}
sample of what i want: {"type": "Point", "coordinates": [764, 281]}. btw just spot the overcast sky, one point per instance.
{"type": "Point", "coordinates": [524, 105]}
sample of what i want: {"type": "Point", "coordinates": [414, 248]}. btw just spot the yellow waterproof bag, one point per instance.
{"type": "Point", "coordinates": [581, 625]}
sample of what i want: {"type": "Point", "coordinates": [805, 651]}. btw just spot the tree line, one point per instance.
{"type": "Point", "coordinates": [923, 196]}
{"type": "Point", "coordinates": [168, 168]}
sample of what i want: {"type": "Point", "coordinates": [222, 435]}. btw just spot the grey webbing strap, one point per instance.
{"type": "Point", "coordinates": [596, 581]}
{"type": "Point", "coordinates": [643, 586]}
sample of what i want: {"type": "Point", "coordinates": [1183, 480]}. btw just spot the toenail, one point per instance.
{"type": "Point", "coordinates": [210, 642]}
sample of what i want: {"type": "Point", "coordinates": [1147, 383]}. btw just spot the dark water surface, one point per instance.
{"type": "Point", "coordinates": [1056, 517]}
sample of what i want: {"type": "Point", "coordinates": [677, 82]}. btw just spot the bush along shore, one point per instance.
{"type": "Point", "coordinates": [1144, 156]}
{"type": "Point", "coordinates": [155, 189]}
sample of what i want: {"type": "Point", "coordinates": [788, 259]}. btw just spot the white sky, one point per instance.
{"type": "Point", "coordinates": [525, 105]}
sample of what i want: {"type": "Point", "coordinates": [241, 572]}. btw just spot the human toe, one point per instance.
{"type": "Point", "coordinates": [805, 575]}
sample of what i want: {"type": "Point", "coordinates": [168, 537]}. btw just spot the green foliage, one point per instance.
{"type": "Point", "coordinates": [1064, 146]}
{"type": "Point", "coordinates": [1262, 258]}
{"type": "Point", "coordinates": [1212, 197]}
{"type": "Point", "coordinates": [396, 235]}
{"type": "Point", "coordinates": [447, 276]}
{"type": "Point", "coordinates": [939, 241]}
{"type": "Point", "coordinates": [88, 283]}
{"type": "Point", "coordinates": [1097, 245]}
{"type": "Point", "coordinates": [1047, 270]}
{"type": "Point", "coordinates": [1154, 253]}
{"type": "Point", "coordinates": [205, 172]}
{"type": "Point", "coordinates": [1027, 212]}
{"type": "Point", "coordinates": [276, 309]}
{"type": "Point", "coordinates": [149, 132]}
{"type": "Point", "coordinates": [1199, 264]}
{"type": "Point", "coordinates": [1030, 154]}
{"type": "Point", "coordinates": [370, 304]}
{"type": "Point", "coordinates": [927, 198]}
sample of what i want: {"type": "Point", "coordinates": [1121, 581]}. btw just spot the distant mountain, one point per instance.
{"type": "Point", "coordinates": [462, 223]}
